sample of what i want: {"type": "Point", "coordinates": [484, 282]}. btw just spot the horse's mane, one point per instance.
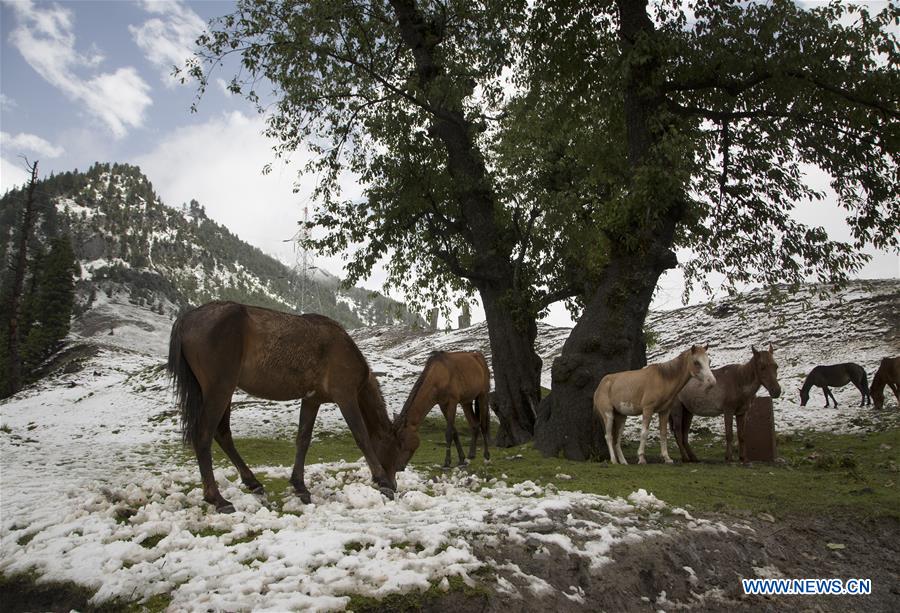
{"type": "Point", "coordinates": [672, 368]}
{"type": "Point", "coordinates": [433, 357]}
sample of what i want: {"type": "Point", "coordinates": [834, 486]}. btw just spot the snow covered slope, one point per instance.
{"type": "Point", "coordinates": [90, 496]}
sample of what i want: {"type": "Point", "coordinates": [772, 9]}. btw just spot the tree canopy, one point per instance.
{"type": "Point", "coordinates": [534, 151]}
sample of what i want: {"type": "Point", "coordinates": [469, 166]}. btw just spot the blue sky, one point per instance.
{"type": "Point", "coordinates": [90, 81]}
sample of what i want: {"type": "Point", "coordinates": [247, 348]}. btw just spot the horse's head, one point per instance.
{"type": "Point", "coordinates": [877, 390]}
{"type": "Point", "coordinates": [699, 366]}
{"type": "Point", "coordinates": [395, 451]}
{"type": "Point", "coordinates": [804, 396]}
{"type": "Point", "coordinates": [766, 369]}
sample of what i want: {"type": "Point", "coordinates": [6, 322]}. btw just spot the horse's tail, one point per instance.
{"type": "Point", "coordinates": [187, 389]}
{"type": "Point", "coordinates": [483, 411]}
{"type": "Point", "coordinates": [482, 401]}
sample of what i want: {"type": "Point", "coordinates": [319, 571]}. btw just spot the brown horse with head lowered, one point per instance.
{"type": "Point", "coordinates": [888, 374]}
{"type": "Point", "coordinates": [645, 392]}
{"type": "Point", "coordinates": [448, 379]}
{"type": "Point", "coordinates": [221, 346]}
{"type": "Point", "coordinates": [734, 391]}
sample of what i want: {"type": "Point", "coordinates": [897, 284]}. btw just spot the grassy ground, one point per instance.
{"type": "Point", "coordinates": [818, 473]}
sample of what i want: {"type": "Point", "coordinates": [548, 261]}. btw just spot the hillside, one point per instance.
{"type": "Point", "coordinates": [136, 250]}
{"type": "Point", "coordinates": [99, 440]}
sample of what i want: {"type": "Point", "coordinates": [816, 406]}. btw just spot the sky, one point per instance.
{"type": "Point", "coordinates": [87, 81]}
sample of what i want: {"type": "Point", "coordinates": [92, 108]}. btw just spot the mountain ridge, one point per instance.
{"type": "Point", "coordinates": [137, 249]}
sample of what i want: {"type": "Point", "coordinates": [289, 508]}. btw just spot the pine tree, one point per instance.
{"type": "Point", "coordinates": [53, 300]}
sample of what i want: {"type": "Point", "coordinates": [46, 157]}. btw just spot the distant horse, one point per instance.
{"type": "Point", "coordinates": [732, 395]}
{"type": "Point", "coordinates": [888, 373]}
{"type": "Point", "coordinates": [448, 379]}
{"type": "Point", "coordinates": [645, 392]}
{"type": "Point", "coordinates": [836, 375]}
{"type": "Point", "coordinates": [221, 346]}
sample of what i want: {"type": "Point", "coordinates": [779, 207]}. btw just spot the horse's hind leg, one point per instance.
{"type": "Point", "coordinates": [676, 417]}
{"type": "Point", "coordinates": [214, 406]}
{"type": "Point", "coordinates": [451, 435]}
{"type": "Point", "coordinates": [309, 409]}
{"type": "Point", "coordinates": [729, 435]}
{"type": "Point", "coordinates": [645, 429]}
{"type": "Point", "coordinates": [863, 387]}
{"type": "Point", "coordinates": [827, 395]}
{"type": "Point", "coordinates": [223, 438]}
{"type": "Point", "coordinates": [469, 412]}
{"type": "Point", "coordinates": [686, 419]}
{"type": "Point", "coordinates": [618, 426]}
{"type": "Point", "coordinates": [608, 432]}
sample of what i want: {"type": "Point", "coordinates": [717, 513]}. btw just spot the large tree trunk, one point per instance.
{"type": "Point", "coordinates": [13, 341]}
{"type": "Point", "coordinates": [516, 370]}
{"type": "Point", "coordinates": [516, 366]}
{"type": "Point", "coordinates": [609, 337]}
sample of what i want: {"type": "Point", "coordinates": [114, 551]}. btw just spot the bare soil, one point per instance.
{"type": "Point", "coordinates": [650, 575]}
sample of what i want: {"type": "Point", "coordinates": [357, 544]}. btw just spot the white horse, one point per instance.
{"type": "Point", "coordinates": [645, 392]}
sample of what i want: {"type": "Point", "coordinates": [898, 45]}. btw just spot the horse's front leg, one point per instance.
{"type": "Point", "coordinates": [353, 416]}
{"type": "Point", "coordinates": [729, 435]}
{"type": "Point", "coordinates": [664, 436]}
{"type": "Point", "coordinates": [646, 415]}
{"type": "Point", "coordinates": [827, 394]}
{"type": "Point", "coordinates": [309, 409]}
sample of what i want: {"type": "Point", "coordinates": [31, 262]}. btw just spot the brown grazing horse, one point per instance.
{"type": "Point", "coordinates": [888, 373]}
{"type": "Point", "coordinates": [732, 395]}
{"type": "Point", "coordinates": [836, 375]}
{"type": "Point", "coordinates": [221, 346]}
{"type": "Point", "coordinates": [448, 379]}
{"type": "Point", "coordinates": [645, 392]}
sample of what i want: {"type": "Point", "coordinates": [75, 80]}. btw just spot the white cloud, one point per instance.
{"type": "Point", "coordinates": [7, 103]}
{"type": "Point", "coordinates": [168, 40]}
{"type": "Point", "coordinates": [30, 142]}
{"type": "Point", "coordinates": [12, 174]}
{"type": "Point", "coordinates": [220, 164]}
{"type": "Point", "coordinates": [44, 36]}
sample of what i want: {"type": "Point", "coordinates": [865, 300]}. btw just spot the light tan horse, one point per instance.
{"type": "Point", "coordinates": [449, 379]}
{"type": "Point", "coordinates": [645, 392]}
{"type": "Point", "coordinates": [888, 373]}
{"type": "Point", "coordinates": [734, 391]}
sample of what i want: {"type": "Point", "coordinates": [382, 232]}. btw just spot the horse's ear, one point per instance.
{"type": "Point", "coordinates": [771, 348]}
{"type": "Point", "coordinates": [753, 349]}
{"type": "Point", "coordinates": [694, 348]}
{"type": "Point", "coordinates": [706, 347]}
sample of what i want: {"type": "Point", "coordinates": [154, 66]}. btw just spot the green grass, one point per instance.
{"type": "Point", "coordinates": [821, 473]}
{"type": "Point", "coordinates": [414, 601]}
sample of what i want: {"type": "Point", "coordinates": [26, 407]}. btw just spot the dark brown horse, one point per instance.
{"type": "Point", "coordinates": [836, 375]}
{"type": "Point", "coordinates": [736, 386]}
{"type": "Point", "coordinates": [449, 379]}
{"type": "Point", "coordinates": [888, 373]}
{"type": "Point", "coordinates": [221, 346]}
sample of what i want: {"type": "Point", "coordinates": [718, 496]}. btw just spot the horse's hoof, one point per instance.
{"type": "Point", "coordinates": [670, 461]}
{"type": "Point", "coordinates": [259, 490]}
{"type": "Point", "coordinates": [386, 492]}
{"type": "Point", "coordinates": [642, 460]}
{"type": "Point", "coordinates": [226, 508]}
{"type": "Point", "coordinates": [304, 497]}
{"type": "Point", "coordinates": [487, 460]}
{"type": "Point", "coordinates": [446, 467]}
